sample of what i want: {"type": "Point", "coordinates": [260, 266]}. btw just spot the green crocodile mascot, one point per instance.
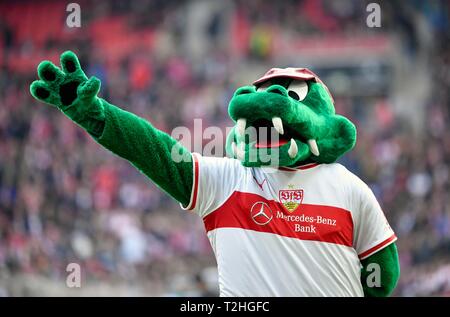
{"type": "Point", "coordinates": [282, 217]}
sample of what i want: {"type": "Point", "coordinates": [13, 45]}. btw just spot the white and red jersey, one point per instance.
{"type": "Point", "coordinates": [288, 231]}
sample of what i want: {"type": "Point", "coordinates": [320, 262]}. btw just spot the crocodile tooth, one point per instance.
{"type": "Point", "coordinates": [293, 149]}
{"type": "Point", "coordinates": [241, 123]}
{"type": "Point", "coordinates": [313, 147]}
{"type": "Point", "coordinates": [278, 125]}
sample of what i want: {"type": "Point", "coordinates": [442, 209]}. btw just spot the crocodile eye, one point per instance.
{"type": "Point", "coordinates": [298, 89]}
{"type": "Point", "coordinates": [264, 86]}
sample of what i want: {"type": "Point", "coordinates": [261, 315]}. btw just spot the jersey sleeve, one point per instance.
{"type": "Point", "coordinates": [372, 231]}
{"type": "Point", "coordinates": [215, 179]}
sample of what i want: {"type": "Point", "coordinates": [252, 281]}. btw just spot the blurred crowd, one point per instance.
{"type": "Point", "coordinates": [65, 199]}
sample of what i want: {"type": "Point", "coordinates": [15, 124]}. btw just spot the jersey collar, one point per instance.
{"type": "Point", "coordinates": [297, 168]}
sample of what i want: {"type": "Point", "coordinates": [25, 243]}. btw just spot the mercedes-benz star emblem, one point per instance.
{"type": "Point", "coordinates": [261, 213]}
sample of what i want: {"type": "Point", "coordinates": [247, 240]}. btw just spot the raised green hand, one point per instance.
{"type": "Point", "coordinates": [71, 91]}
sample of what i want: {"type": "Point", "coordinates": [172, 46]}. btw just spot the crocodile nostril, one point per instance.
{"type": "Point", "coordinates": [278, 91]}
{"type": "Point", "coordinates": [244, 91]}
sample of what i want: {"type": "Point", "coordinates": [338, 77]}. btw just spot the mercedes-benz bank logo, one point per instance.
{"type": "Point", "coordinates": [261, 213]}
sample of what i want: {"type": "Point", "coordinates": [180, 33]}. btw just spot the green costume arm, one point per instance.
{"type": "Point", "coordinates": [387, 260]}
{"type": "Point", "coordinates": [149, 150]}
{"type": "Point", "coordinates": [123, 133]}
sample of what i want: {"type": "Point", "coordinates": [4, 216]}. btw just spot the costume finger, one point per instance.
{"type": "Point", "coordinates": [48, 72]}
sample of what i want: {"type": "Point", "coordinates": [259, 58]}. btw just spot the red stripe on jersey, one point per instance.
{"type": "Point", "coordinates": [378, 247]}
{"type": "Point", "coordinates": [307, 222]}
{"type": "Point", "coordinates": [195, 185]}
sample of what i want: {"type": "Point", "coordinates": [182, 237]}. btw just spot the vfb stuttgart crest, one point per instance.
{"type": "Point", "coordinates": [291, 198]}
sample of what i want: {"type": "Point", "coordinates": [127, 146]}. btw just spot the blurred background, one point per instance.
{"type": "Point", "coordinates": [65, 199]}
